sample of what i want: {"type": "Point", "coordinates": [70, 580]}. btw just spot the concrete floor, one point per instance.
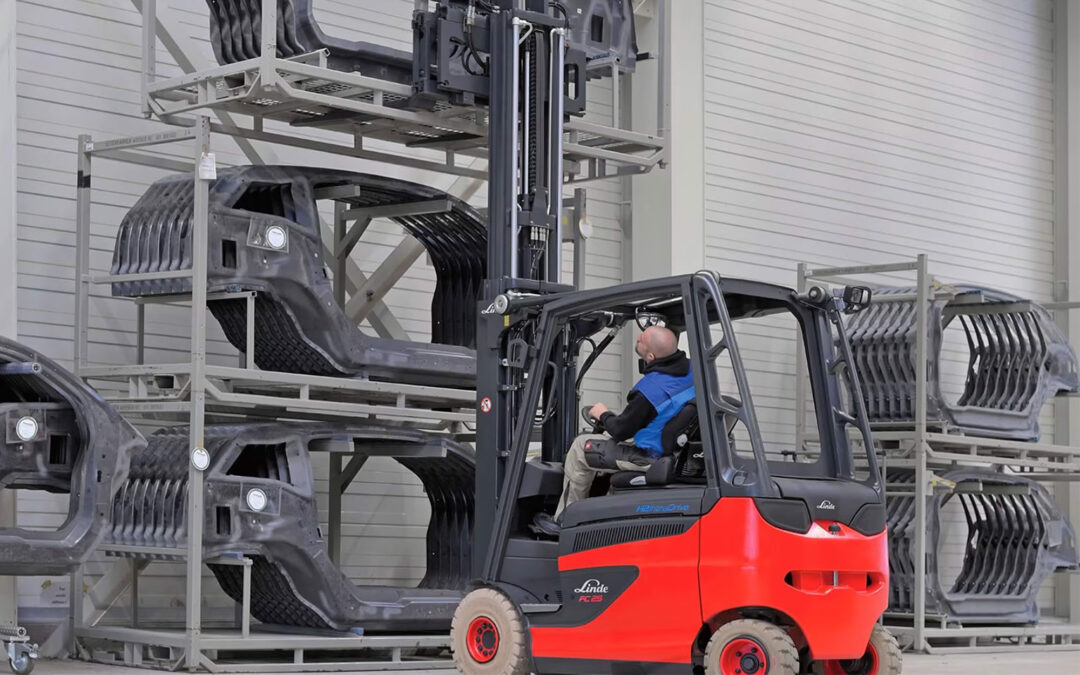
{"type": "Point", "coordinates": [1054, 663]}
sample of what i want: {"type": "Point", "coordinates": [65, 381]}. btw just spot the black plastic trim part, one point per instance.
{"type": "Point", "coordinates": [869, 520]}
{"type": "Point", "coordinates": [786, 514]}
{"type": "Point", "coordinates": [681, 501]}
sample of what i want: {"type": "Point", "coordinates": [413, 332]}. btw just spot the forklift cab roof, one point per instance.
{"type": "Point", "coordinates": [663, 298]}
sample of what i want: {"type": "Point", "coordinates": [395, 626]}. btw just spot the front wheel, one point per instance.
{"type": "Point", "coordinates": [882, 657]}
{"type": "Point", "coordinates": [751, 647]}
{"type": "Point", "coordinates": [487, 635]}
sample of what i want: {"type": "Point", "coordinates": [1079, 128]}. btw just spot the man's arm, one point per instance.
{"type": "Point", "coordinates": [634, 417]}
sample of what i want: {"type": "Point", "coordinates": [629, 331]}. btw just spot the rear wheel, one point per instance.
{"type": "Point", "coordinates": [488, 636]}
{"type": "Point", "coordinates": [882, 657]}
{"type": "Point", "coordinates": [750, 647]}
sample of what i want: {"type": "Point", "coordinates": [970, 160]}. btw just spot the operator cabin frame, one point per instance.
{"type": "Point", "coordinates": [698, 305]}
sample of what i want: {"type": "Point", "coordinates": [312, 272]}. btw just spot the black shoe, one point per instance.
{"type": "Point", "coordinates": [545, 524]}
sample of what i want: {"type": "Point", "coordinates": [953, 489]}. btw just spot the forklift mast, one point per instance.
{"type": "Point", "coordinates": [526, 107]}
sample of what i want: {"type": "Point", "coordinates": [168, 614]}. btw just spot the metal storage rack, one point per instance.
{"type": "Point", "coordinates": [925, 449]}
{"type": "Point", "coordinates": [303, 92]}
{"type": "Point", "coordinates": [197, 393]}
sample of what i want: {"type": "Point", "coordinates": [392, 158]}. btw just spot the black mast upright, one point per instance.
{"type": "Point", "coordinates": [524, 222]}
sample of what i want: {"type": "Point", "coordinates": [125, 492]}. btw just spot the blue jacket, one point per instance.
{"type": "Point", "coordinates": [667, 394]}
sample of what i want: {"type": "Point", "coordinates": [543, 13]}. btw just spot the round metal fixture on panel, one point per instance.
{"type": "Point", "coordinates": [26, 428]}
{"type": "Point", "coordinates": [585, 227]}
{"type": "Point", "coordinates": [276, 237]}
{"type": "Point", "coordinates": [200, 459]}
{"type": "Point", "coordinates": [256, 499]}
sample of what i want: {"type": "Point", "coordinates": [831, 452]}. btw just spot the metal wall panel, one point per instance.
{"type": "Point", "coordinates": [849, 132]}
{"type": "Point", "coordinates": [79, 72]}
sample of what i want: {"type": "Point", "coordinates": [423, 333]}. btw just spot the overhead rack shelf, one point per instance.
{"type": "Point", "coordinates": [303, 93]}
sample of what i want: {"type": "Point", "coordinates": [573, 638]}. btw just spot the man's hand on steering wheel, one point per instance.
{"type": "Point", "coordinates": [597, 410]}
{"type": "Point", "coordinates": [594, 420]}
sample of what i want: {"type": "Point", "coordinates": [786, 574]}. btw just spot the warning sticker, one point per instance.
{"type": "Point", "coordinates": [485, 405]}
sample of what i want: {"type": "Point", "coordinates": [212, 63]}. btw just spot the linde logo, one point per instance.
{"type": "Point", "coordinates": [592, 586]}
{"type": "Point", "coordinates": [592, 591]}
{"type": "Point", "coordinates": [827, 505]}
{"type": "Point", "coordinates": [662, 508]}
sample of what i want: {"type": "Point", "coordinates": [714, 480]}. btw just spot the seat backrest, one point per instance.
{"type": "Point", "coordinates": [684, 422]}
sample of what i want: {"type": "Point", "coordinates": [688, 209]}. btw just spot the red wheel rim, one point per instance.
{"type": "Point", "coordinates": [867, 665]}
{"type": "Point", "coordinates": [743, 656]}
{"type": "Point", "coordinates": [482, 639]}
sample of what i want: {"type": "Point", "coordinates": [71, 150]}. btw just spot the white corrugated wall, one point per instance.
{"type": "Point", "coordinates": [78, 73]}
{"type": "Point", "coordinates": [854, 132]}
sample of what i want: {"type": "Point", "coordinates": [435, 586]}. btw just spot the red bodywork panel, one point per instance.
{"type": "Point", "coordinates": [744, 562]}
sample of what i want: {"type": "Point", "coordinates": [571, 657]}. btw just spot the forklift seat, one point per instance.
{"type": "Point", "coordinates": [677, 439]}
{"type": "Point", "coordinates": [682, 460]}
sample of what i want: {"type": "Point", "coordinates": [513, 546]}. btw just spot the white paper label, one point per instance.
{"type": "Point", "coordinates": [208, 166]}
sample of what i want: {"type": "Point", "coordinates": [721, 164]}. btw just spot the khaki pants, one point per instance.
{"type": "Point", "coordinates": [591, 454]}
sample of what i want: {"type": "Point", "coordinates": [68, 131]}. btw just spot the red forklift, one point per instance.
{"type": "Point", "coordinates": [721, 558]}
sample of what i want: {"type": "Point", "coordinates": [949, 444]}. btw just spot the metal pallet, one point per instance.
{"type": "Point", "coordinates": [266, 651]}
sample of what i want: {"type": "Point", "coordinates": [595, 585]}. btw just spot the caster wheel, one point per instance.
{"type": "Point", "coordinates": [21, 664]}
{"type": "Point", "coordinates": [488, 636]}
{"type": "Point", "coordinates": [882, 657]}
{"type": "Point", "coordinates": [751, 647]}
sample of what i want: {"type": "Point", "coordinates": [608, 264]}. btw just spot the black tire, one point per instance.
{"type": "Point", "coordinates": [883, 657]}
{"type": "Point", "coordinates": [751, 647]}
{"type": "Point", "coordinates": [488, 636]}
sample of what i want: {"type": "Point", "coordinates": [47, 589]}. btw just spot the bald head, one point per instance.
{"type": "Point", "coordinates": [656, 342]}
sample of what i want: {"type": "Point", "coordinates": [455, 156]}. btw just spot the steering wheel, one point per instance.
{"type": "Point", "coordinates": [590, 420]}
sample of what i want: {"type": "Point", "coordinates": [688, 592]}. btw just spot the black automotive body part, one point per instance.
{"type": "Point", "coordinates": [1019, 358]}
{"type": "Point", "coordinates": [236, 35]}
{"type": "Point", "coordinates": [1016, 536]}
{"type": "Point", "coordinates": [61, 437]}
{"type": "Point", "coordinates": [264, 236]}
{"type": "Point", "coordinates": [293, 581]}
{"type": "Point", "coordinates": [451, 46]}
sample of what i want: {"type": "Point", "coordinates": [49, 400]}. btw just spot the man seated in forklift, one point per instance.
{"type": "Point", "coordinates": [632, 439]}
